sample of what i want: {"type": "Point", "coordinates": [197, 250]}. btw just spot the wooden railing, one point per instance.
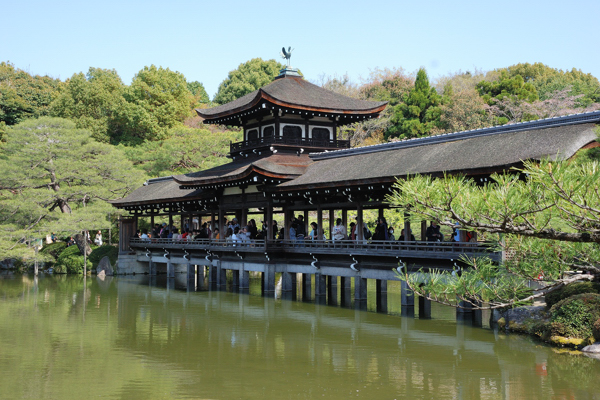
{"type": "Point", "coordinates": [416, 249]}
{"type": "Point", "coordinates": [307, 142]}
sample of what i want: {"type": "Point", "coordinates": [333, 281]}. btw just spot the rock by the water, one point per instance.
{"type": "Point", "coordinates": [101, 274]}
{"type": "Point", "coordinates": [592, 348]}
{"type": "Point", "coordinates": [104, 266]}
{"type": "Point", "coordinates": [515, 319]}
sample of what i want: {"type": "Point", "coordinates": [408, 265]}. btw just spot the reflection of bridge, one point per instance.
{"type": "Point", "coordinates": [316, 339]}
{"type": "Point", "coordinates": [330, 265]}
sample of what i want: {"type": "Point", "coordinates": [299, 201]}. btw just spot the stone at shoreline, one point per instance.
{"type": "Point", "coordinates": [516, 319]}
{"type": "Point", "coordinates": [104, 266]}
{"type": "Point", "coordinates": [592, 348]}
{"type": "Point", "coordinates": [101, 274]}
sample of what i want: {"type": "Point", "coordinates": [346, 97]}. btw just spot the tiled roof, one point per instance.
{"type": "Point", "coordinates": [295, 92]}
{"type": "Point", "coordinates": [283, 166]}
{"type": "Point", "coordinates": [469, 153]}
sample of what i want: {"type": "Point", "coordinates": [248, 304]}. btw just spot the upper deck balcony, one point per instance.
{"type": "Point", "coordinates": [306, 143]}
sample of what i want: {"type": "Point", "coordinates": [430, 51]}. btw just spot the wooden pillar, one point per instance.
{"type": "Point", "coordinates": [423, 230]}
{"type": "Point", "coordinates": [269, 219]}
{"type": "Point", "coordinates": [320, 285]}
{"type": "Point", "coordinates": [345, 291]}
{"type": "Point", "coordinates": [170, 269]}
{"type": "Point", "coordinates": [306, 224]}
{"type": "Point", "coordinates": [170, 222]}
{"type": "Point", "coordinates": [332, 290]}
{"type": "Point", "coordinates": [381, 295]}
{"type": "Point", "coordinates": [360, 288]}
{"type": "Point", "coordinates": [359, 223]}
{"type": "Point", "coordinates": [151, 223]}
{"type": "Point", "coordinates": [191, 276]}
{"type": "Point", "coordinates": [407, 231]}
{"type": "Point", "coordinates": [244, 279]}
{"type": "Point", "coordinates": [221, 223]}
{"type": "Point", "coordinates": [181, 222]}
{"type": "Point", "coordinates": [320, 222]}
{"type": "Point", "coordinates": [287, 223]}
{"type": "Point", "coordinates": [288, 281]}
{"type": "Point", "coordinates": [345, 219]}
{"type": "Point", "coordinates": [331, 223]}
{"type": "Point", "coordinates": [269, 279]}
{"type": "Point", "coordinates": [424, 308]}
{"type": "Point", "coordinates": [406, 295]}
{"type": "Point", "coordinates": [306, 287]}
{"type": "Point", "coordinates": [380, 212]}
{"type": "Point", "coordinates": [212, 223]}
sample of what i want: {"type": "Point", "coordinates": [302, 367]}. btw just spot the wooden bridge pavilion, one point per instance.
{"type": "Point", "coordinates": [292, 162]}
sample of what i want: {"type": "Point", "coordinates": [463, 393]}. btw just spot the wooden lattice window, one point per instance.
{"type": "Point", "coordinates": [320, 135]}
{"type": "Point", "coordinates": [292, 133]}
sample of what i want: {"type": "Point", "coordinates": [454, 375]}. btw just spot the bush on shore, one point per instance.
{"type": "Point", "coordinates": [570, 290]}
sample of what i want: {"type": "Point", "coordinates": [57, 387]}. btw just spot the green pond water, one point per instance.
{"type": "Point", "coordinates": [140, 338]}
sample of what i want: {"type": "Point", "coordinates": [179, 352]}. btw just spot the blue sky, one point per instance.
{"type": "Point", "coordinates": [205, 40]}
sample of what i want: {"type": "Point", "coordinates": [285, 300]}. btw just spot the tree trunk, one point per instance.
{"type": "Point", "coordinates": [82, 244]}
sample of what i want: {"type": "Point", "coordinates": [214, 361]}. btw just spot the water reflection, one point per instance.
{"type": "Point", "coordinates": [143, 337]}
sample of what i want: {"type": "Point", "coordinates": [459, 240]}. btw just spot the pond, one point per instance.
{"type": "Point", "coordinates": [133, 337]}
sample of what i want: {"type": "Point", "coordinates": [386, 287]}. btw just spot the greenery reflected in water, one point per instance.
{"type": "Point", "coordinates": [142, 338]}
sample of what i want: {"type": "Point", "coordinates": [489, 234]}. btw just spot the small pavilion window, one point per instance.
{"type": "Point", "coordinates": [292, 134]}
{"type": "Point", "coordinates": [321, 136]}
{"type": "Point", "coordinates": [268, 132]}
{"type": "Point", "coordinates": [252, 135]}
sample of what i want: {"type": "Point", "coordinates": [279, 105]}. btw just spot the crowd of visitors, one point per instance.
{"type": "Point", "coordinates": [247, 234]}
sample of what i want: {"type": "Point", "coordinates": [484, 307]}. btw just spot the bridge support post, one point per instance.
{"type": "Point", "coordinates": [170, 269]}
{"type": "Point", "coordinates": [152, 267]}
{"type": "Point", "coordinates": [221, 277]}
{"type": "Point", "coordinates": [345, 291]}
{"type": "Point", "coordinates": [424, 308]}
{"type": "Point", "coordinates": [306, 287]}
{"type": "Point", "coordinates": [360, 288]}
{"type": "Point", "coordinates": [269, 279]}
{"type": "Point", "coordinates": [407, 296]}
{"type": "Point", "coordinates": [381, 295]}
{"type": "Point", "coordinates": [212, 275]}
{"type": "Point", "coordinates": [331, 290]}
{"type": "Point", "coordinates": [191, 276]}
{"type": "Point", "coordinates": [244, 280]}
{"type": "Point", "coordinates": [288, 281]}
{"type": "Point", "coordinates": [235, 278]}
{"type": "Point", "coordinates": [320, 287]}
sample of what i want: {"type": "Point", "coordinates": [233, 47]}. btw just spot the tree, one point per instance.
{"type": "Point", "coordinates": [547, 216]}
{"type": "Point", "coordinates": [419, 113]}
{"type": "Point", "coordinates": [247, 78]}
{"type": "Point", "coordinates": [56, 178]}
{"type": "Point", "coordinates": [23, 95]}
{"type": "Point", "coordinates": [93, 101]}
{"type": "Point", "coordinates": [185, 150]}
{"type": "Point", "coordinates": [199, 92]}
{"type": "Point", "coordinates": [547, 81]}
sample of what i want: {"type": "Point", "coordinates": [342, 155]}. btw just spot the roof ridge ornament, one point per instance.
{"type": "Point", "coordinates": [286, 55]}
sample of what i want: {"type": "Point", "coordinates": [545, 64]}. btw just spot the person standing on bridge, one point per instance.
{"type": "Point", "coordinates": [339, 231]}
{"type": "Point", "coordinates": [433, 233]}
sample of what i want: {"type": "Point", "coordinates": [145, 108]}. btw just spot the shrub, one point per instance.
{"type": "Point", "coordinates": [69, 261]}
{"type": "Point", "coordinates": [102, 251]}
{"type": "Point", "coordinates": [570, 290]}
{"type": "Point", "coordinates": [575, 316]}
{"type": "Point", "coordinates": [52, 251]}
{"type": "Point", "coordinates": [596, 330]}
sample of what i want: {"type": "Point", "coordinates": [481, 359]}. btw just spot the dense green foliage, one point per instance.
{"type": "Point", "coordinates": [419, 113]}
{"type": "Point", "coordinates": [571, 290]}
{"type": "Point", "coordinates": [186, 150]}
{"type": "Point", "coordinates": [56, 178]}
{"type": "Point", "coordinates": [157, 100]}
{"type": "Point", "coordinates": [24, 96]}
{"type": "Point", "coordinates": [574, 316]}
{"type": "Point", "coordinates": [70, 261]}
{"type": "Point", "coordinates": [247, 78]}
{"type": "Point", "coordinates": [104, 251]}
{"type": "Point", "coordinates": [50, 252]}
{"type": "Point", "coordinates": [551, 222]}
